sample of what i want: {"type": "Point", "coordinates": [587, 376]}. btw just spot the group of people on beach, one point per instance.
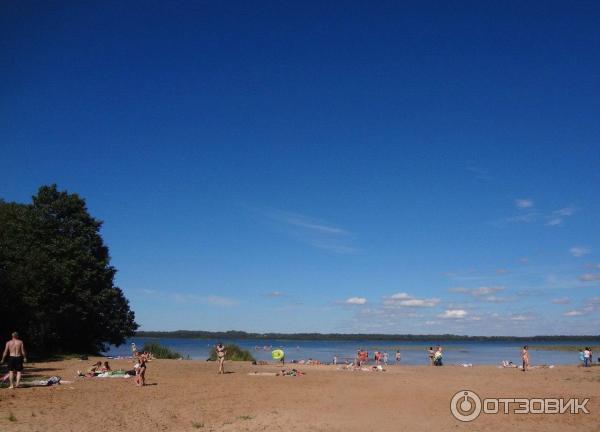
{"type": "Point", "coordinates": [435, 356]}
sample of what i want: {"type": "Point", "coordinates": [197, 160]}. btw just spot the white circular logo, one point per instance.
{"type": "Point", "coordinates": [465, 406]}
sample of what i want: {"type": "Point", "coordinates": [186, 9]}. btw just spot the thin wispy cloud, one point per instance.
{"type": "Point", "coordinates": [311, 231]}
{"type": "Point", "coordinates": [573, 313]}
{"type": "Point", "coordinates": [591, 305]}
{"type": "Point", "coordinates": [590, 277]}
{"type": "Point", "coordinates": [562, 300]}
{"type": "Point", "coordinates": [528, 213]}
{"type": "Point", "coordinates": [557, 217]}
{"type": "Point", "coordinates": [480, 173]}
{"type": "Point", "coordinates": [453, 314]}
{"type": "Point", "coordinates": [213, 300]}
{"type": "Point", "coordinates": [403, 299]}
{"type": "Point", "coordinates": [579, 251]}
{"type": "Point", "coordinates": [356, 301]}
{"type": "Point", "coordinates": [274, 294]}
{"type": "Point", "coordinates": [484, 293]}
{"type": "Point", "coordinates": [189, 298]}
{"type": "Point", "coordinates": [524, 203]}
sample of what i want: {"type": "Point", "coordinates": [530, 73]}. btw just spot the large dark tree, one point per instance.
{"type": "Point", "coordinates": [56, 281]}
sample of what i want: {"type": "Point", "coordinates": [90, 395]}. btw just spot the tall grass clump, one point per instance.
{"type": "Point", "coordinates": [234, 353]}
{"type": "Point", "coordinates": [160, 352]}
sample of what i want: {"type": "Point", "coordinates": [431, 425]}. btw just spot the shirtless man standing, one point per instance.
{"type": "Point", "coordinates": [15, 349]}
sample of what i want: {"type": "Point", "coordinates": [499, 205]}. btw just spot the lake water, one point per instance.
{"type": "Point", "coordinates": [412, 352]}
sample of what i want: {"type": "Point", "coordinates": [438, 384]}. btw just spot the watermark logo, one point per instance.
{"type": "Point", "coordinates": [466, 406]}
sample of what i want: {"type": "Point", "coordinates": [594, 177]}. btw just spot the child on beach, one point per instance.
{"type": "Point", "coordinates": [430, 353]}
{"type": "Point", "coordinates": [397, 356]}
{"type": "Point", "coordinates": [525, 357]}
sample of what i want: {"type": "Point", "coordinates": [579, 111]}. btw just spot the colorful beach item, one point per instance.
{"type": "Point", "coordinates": [277, 354]}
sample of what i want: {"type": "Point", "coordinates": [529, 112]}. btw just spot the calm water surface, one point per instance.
{"type": "Point", "coordinates": [412, 352]}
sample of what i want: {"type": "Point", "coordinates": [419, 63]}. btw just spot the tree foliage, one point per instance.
{"type": "Point", "coordinates": [56, 282]}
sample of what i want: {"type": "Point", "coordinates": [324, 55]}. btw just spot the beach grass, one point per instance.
{"type": "Point", "coordinates": [234, 353]}
{"type": "Point", "coordinates": [161, 352]}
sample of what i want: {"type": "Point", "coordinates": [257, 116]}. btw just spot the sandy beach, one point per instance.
{"type": "Point", "coordinates": [189, 395]}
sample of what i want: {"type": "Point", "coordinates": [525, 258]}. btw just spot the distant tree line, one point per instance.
{"type": "Point", "coordinates": [56, 282]}
{"type": "Point", "coordinates": [235, 334]}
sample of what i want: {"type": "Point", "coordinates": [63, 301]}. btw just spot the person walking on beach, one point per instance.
{"type": "Point", "coordinates": [525, 357]}
{"type": "Point", "coordinates": [221, 352]}
{"type": "Point", "coordinates": [15, 350]}
{"type": "Point", "coordinates": [397, 356]}
{"type": "Point", "coordinates": [430, 353]}
{"type": "Point", "coordinates": [385, 358]}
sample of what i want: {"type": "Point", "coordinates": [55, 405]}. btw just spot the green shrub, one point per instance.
{"type": "Point", "coordinates": [234, 353]}
{"type": "Point", "coordinates": [160, 352]}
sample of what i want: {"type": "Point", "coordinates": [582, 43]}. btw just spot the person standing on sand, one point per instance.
{"type": "Point", "coordinates": [397, 356]}
{"type": "Point", "coordinates": [525, 357]}
{"type": "Point", "coordinates": [221, 352]}
{"type": "Point", "coordinates": [15, 350]}
{"type": "Point", "coordinates": [140, 372]}
{"type": "Point", "coordinates": [587, 355]}
{"type": "Point", "coordinates": [430, 353]}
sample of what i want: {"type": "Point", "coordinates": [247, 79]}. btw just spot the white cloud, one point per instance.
{"type": "Point", "coordinates": [573, 313]}
{"type": "Point", "coordinates": [453, 314]}
{"type": "Point", "coordinates": [274, 294]}
{"type": "Point", "coordinates": [484, 293]}
{"type": "Point", "coordinates": [356, 301]}
{"type": "Point", "coordinates": [563, 300]}
{"type": "Point", "coordinates": [590, 277]}
{"type": "Point", "coordinates": [590, 305]}
{"type": "Point", "coordinates": [419, 302]}
{"type": "Point", "coordinates": [399, 296]}
{"type": "Point", "coordinates": [579, 251]}
{"type": "Point", "coordinates": [403, 299]}
{"type": "Point", "coordinates": [524, 203]}
{"type": "Point", "coordinates": [521, 317]}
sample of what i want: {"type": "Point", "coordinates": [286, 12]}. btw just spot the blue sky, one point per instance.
{"type": "Point", "coordinates": [397, 167]}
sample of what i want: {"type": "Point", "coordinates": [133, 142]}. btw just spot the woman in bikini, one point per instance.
{"type": "Point", "coordinates": [221, 352]}
{"type": "Point", "coordinates": [140, 372]}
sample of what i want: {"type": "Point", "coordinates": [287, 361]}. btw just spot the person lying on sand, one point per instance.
{"type": "Point", "coordinates": [92, 371]}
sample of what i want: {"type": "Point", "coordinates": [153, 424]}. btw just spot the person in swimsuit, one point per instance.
{"type": "Point", "coordinates": [221, 352]}
{"type": "Point", "coordinates": [525, 357]}
{"type": "Point", "coordinates": [140, 372]}
{"type": "Point", "coordinates": [15, 350]}
{"type": "Point", "coordinates": [398, 356]}
{"type": "Point", "coordinates": [430, 353]}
